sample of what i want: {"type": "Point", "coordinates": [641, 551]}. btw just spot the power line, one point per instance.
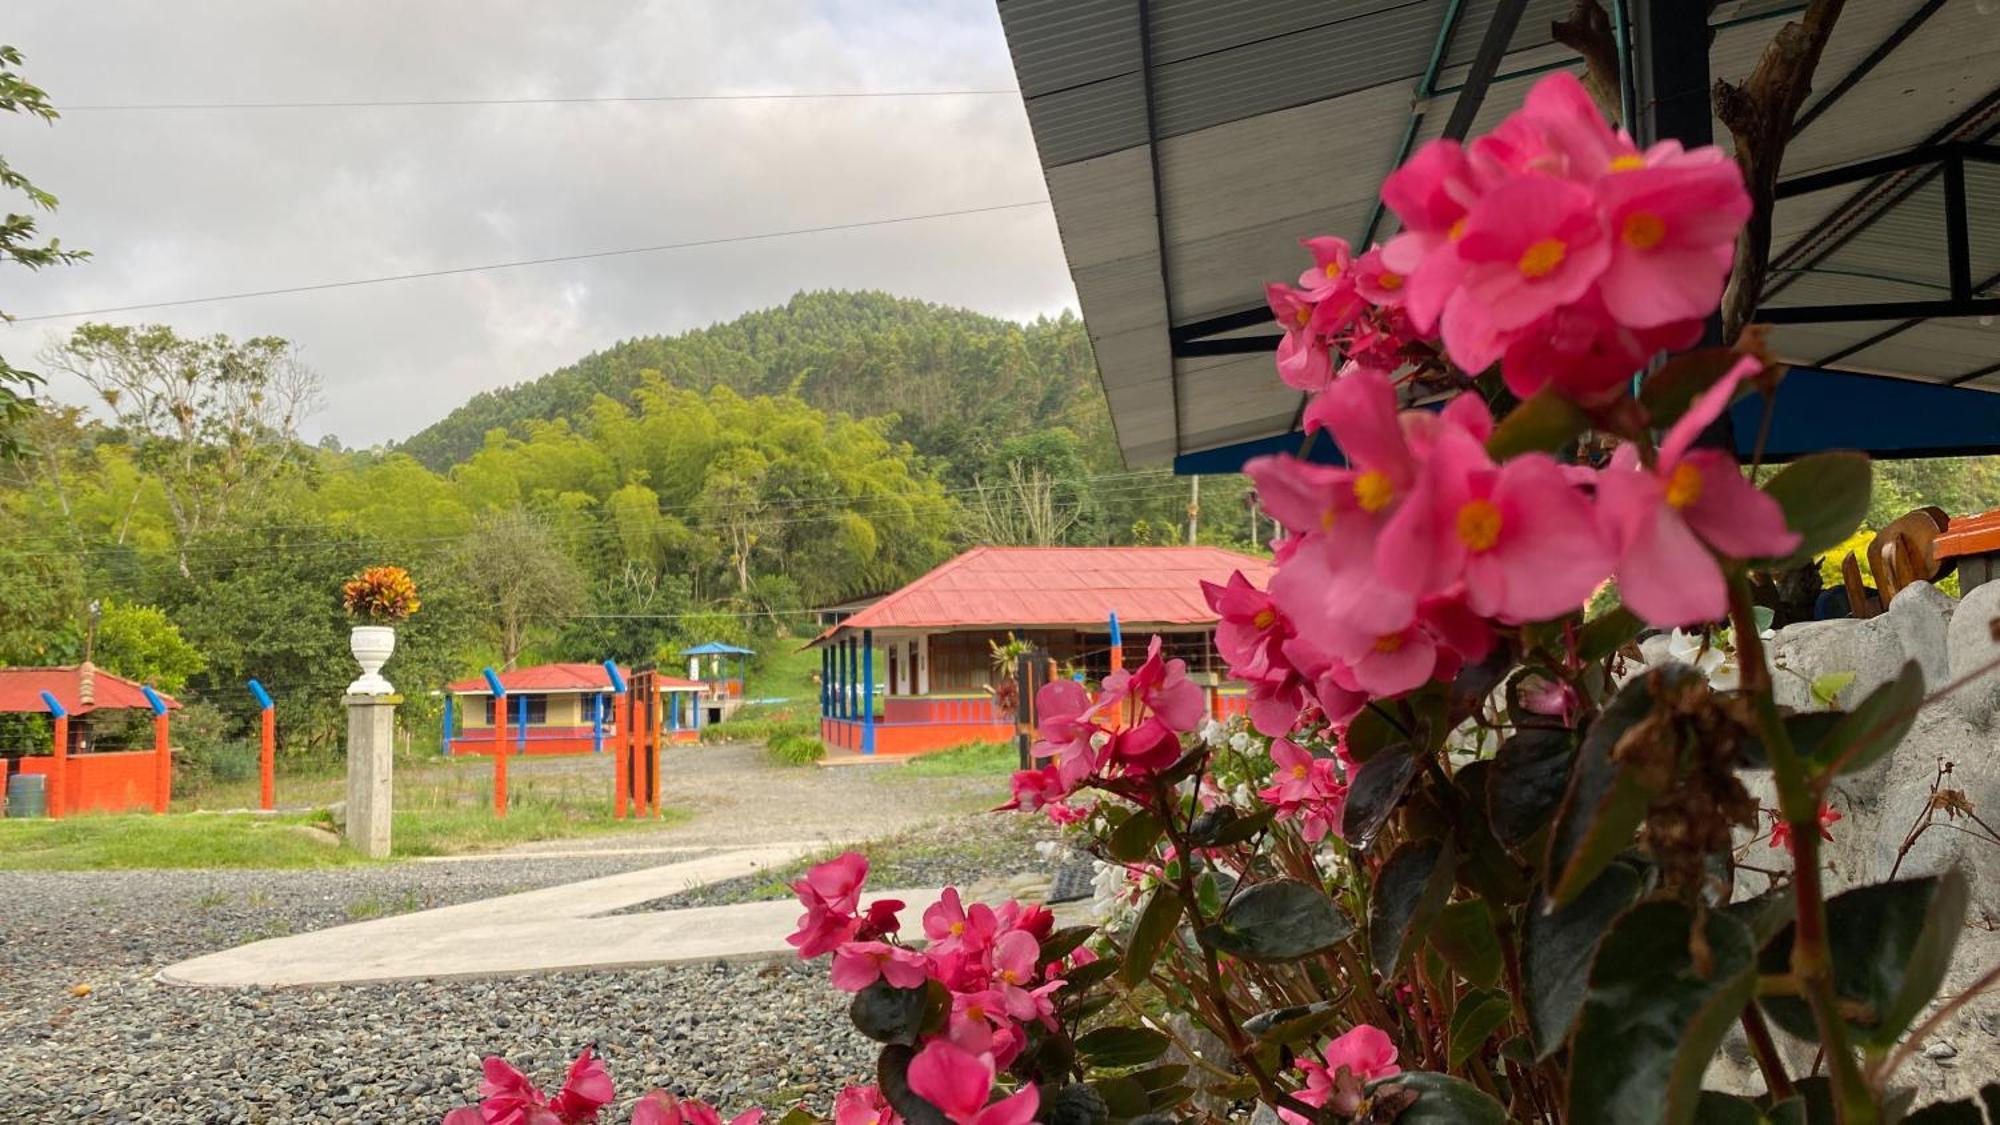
{"type": "Point", "coordinates": [723, 240]}
{"type": "Point", "coordinates": [610, 99]}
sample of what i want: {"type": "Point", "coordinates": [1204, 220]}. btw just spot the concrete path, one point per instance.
{"type": "Point", "coordinates": [556, 928]}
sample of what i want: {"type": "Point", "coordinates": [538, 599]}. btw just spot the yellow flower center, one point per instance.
{"type": "Point", "coordinates": [958, 929]}
{"type": "Point", "coordinates": [1304, 314]}
{"type": "Point", "coordinates": [975, 1012]}
{"type": "Point", "coordinates": [1388, 642]}
{"type": "Point", "coordinates": [1298, 771]}
{"type": "Point", "coordinates": [1265, 618]}
{"type": "Point", "coordinates": [1479, 525]}
{"type": "Point", "coordinates": [1683, 485]}
{"type": "Point", "coordinates": [1326, 519]}
{"type": "Point", "coordinates": [1630, 162]}
{"type": "Point", "coordinates": [1373, 490]}
{"type": "Point", "coordinates": [1457, 230]}
{"type": "Point", "coordinates": [1541, 258]}
{"type": "Point", "coordinates": [1644, 230]}
{"type": "Point", "coordinates": [1390, 280]}
{"type": "Point", "coordinates": [1010, 976]}
{"type": "Point", "coordinates": [1333, 269]}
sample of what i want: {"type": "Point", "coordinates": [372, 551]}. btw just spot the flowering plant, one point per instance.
{"type": "Point", "coordinates": [1461, 861]}
{"type": "Point", "coordinates": [383, 594]}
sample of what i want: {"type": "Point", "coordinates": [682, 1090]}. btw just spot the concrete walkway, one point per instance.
{"type": "Point", "coordinates": [556, 928]}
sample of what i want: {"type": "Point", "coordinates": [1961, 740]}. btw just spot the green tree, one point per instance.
{"type": "Point", "coordinates": [140, 643]}
{"type": "Point", "coordinates": [526, 583]}
{"type": "Point", "coordinates": [21, 243]}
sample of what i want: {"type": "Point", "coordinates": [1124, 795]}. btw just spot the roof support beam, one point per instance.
{"type": "Point", "coordinates": [1879, 310]}
{"type": "Point", "coordinates": [1874, 59]}
{"type": "Point", "coordinates": [1485, 64]}
{"type": "Point", "coordinates": [1159, 202]}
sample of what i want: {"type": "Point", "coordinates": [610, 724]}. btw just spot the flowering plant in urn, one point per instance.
{"type": "Point", "coordinates": [1465, 859]}
{"type": "Point", "coordinates": [381, 596]}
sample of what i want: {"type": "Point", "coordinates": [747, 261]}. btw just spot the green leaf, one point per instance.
{"type": "Point", "coordinates": [1122, 1046]}
{"type": "Point", "coordinates": [798, 1115]}
{"type": "Point", "coordinates": [1464, 935]}
{"type": "Point", "coordinates": [1064, 942]}
{"type": "Point", "coordinates": [1479, 1014]}
{"type": "Point", "coordinates": [1605, 801]}
{"type": "Point", "coordinates": [897, 1015]}
{"type": "Point", "coordinates": [1475, 682]}
{"type": "Point", "coordinates": [1962, 1112]}
{"type": "Point", "coordinates": [1159, 1077]}
{"type": "Point", "coordinates": [1545, 422]}
{"type": "Point", "coordinates": [1082, 977]}
{"type": "Point", "coordinates": [1765, 915]}
{"type": "Point", "coordinates": [1409, 890]}
{"type": "Point", "coordinates": [1133, 840]}
{"type": "Point", "coordinates": [1076, 1104]}
{"type": "Point", "coordinates": [1440, 1100]}
{"type": "Point", "coordinates": [1158, 920]}
{"type": "Point", "coordinates": [1990, 1095]}
{"type": "Point", "coordinates": [1377, 790]}
{"type": "Point", "coordinates": [1824, 497]}
{"type": "Point", "coordinates": [1278, 920]}
{"type": "Point", "coordinates": [1607, 633]}
{"type": "Point", "coordinates": [1669, 391]}
{"type": "Point", "coordinates": [892, 1075]}
{"type": "Point", "coordinates": [1557, 949]}
{"type": "Point", "coordinates": [1489, 870]}
{"type": "Point", "coordinates": [1651, 1021]}
{"type": "Point", "coordinates": [1123, 1098]}
{"type": "Point", "coordinates": [1826, 688]}
{"type": "Point", "coordinates": [1371, 732]}
{"type": "Point", "coordinates": [1530, 773]}
{"type": "Point", "coordinates": [1876, 725]}
{"type": "Point", "coordinates": [1890, 944]}
{"type": "Point", "coordinates": [1222, 826]}
{"type": "Point", "coordinates": [1728, 1109]}
{"type": "Point", "coordinates": [1295, 1024]}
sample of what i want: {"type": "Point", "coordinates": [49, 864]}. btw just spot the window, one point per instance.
{"type": "Point", "coordinates": [538, 709]}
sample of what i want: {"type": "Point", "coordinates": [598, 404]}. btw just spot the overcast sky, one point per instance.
{"type": "Point", "coordinates": [191, 203]}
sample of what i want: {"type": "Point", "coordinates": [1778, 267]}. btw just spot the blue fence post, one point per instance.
{"type": "Point", "coordinates": [597, 722]}
{"type": "Point", "coordinates": [448, 716]}
{"type": "Point", "coordinates": [868, 691]}
{"type": "Point", "coordinates": [521, 721]}
{"type": "Point", "coordinates": [825, 677]}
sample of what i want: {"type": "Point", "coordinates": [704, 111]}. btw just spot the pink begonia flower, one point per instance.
{"type": "Point", "coordinates": [1305, 789]}
{"type": "Point", "coordinates": [1161, 685]}
{"type": "Point", "coordinates": [1304, 361]}
{"type": "Point", "coordinates": [958, 1082]}
{"type": "Point", "coordinates": [1329, 273]}
{"type": "Point", "coordinates": [1431, 193]}
{"type": "Point", "coordinates": [1031, 918]}
{"type": "Point", "coordinates": [1250, 634]}
{"type": "Point", "coordinates": [831, 893]}
{"type": "Point", "coordinates": [1673, 238]}
{"type": "Point", "coordinates": [509, 1098]}
{"type": "Point", "coordinates": [658, 1107]}
{"type": "Point", "coordinates": [1035, 790]}
{"type": "Point", "coordinates": [1663, 522]}
{"type": "Point", "coordinates": [1015, 969]}
{"type": "Point", "coordinates": [950, 924]}
{"type": "Point", "coordinates": [1558, 131]}
{"type": "Point", "coordinates": [1364, 1049]}
{"type": "Point", "coordinates": [1530, 246]}
{"type": "Point", "coordinates": [1520, 536]}
{"type": "Point", "coordinates": [1374, 280]}
{"type": "Point", "coordinates": [1062, 709]}
{"type": "Point", "coordinates": [859, 964]}
{"type": "Point", "coordinates": [863, 1105]}
{"type": "Point", "coordinates": [1293, 780]}
{"type": "Point", "coordinates": [975, 1017]}
{"type": "Point", "coordinates": [1586, 355]}
{"type": "Point", "coordinates": [1781, 829]}
{"type": "Point", "coordinates": [880, 920]}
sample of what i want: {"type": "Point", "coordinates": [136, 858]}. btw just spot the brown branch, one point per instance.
{"type": "Point", "coordinates": [1588, 32]}
{"type": "Point", "coordinates": [1759, 112]}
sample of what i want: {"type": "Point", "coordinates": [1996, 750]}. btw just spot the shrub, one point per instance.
{"type": "Point", "coordinates": [795, 748]}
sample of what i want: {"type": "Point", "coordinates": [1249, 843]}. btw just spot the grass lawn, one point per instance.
{"type": "Point", "coordinates": [973, 759]}
{"type": "Point", "coordinates": [442, 808]}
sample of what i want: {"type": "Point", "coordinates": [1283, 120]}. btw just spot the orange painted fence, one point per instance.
{"type": "Point", "coordinates": [115, 781]}
{"type": "Point", "coordinates": [916, 724]}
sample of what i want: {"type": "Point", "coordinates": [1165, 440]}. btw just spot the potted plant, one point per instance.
{"type": "Point", "coordinates": [377, 599]}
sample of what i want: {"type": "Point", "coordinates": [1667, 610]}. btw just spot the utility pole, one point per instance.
{"type": "Point", "coordinates": [1194, 507]}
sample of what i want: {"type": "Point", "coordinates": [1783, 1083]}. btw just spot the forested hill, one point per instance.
{"type": "Point", "coordinates": [957, 382]}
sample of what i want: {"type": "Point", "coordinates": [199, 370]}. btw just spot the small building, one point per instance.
{"type": "Point", "coordinates": [914, 671]}
{"type": "Point", "coordinates": [724, 671]}
{"type": "Point", "coordinates": [559, 709]}
{"type": "Point", "coordinates": [95, 776]}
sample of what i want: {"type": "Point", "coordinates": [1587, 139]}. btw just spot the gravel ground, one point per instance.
{"type": "Point", "coordinates": [87, 1034]}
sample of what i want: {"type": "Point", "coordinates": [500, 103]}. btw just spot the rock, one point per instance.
{"type": "Point", "coordinates": [316, 834]}
{"type": "Point", "coordinates": [1970, 644]}
{"type": "Point", "coordinates": [1804, 652]}
{"type": "Point", "coordinates": [1920, 614]}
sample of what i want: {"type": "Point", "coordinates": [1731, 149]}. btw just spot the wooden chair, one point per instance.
{"type": "Point", "coordinates": [1906, 551]}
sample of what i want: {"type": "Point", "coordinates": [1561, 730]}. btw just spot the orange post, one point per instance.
{"type": "Point", "coordinates": [652, 749]}
{"type": "Point", "coordinates": [619, 754]}
{"type": "Point", "coordinates": [499, 741]}
{"type": "Point", "coordinates": [57, 775]}
{"type": "Point", "coordinates": [267, 763]}
{"type": "Point", "coordinates": [163, 764]}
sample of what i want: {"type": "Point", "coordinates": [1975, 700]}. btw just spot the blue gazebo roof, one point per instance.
{"type": "Point", "coordinates": [717, 648]}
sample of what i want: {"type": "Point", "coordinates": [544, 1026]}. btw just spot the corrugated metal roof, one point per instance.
{"type": "Point", "coordinates": [21, 691]}
{"type": "Point", "coordinates": [1277, 120]}
{"type": "Point", "coordinates": [1061, 587]}
{"type": "Point", "coordinates": [563, 679]}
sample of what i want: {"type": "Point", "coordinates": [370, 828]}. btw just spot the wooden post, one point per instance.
{"type": "Point", "coordinates": [499, 742]}
{"type": "Point", "coordinates": [61, 752]}
{"type": "Point", "coordinates": [163, 761]}
{"type": "Point", "coordinates": [267, 747]}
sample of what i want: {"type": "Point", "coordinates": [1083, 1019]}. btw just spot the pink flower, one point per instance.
{"type": "Point", "coordinates": [1328, 275]}
{"type": "Point", "coordinates": [1015, 969]}
{"type": "Point", "coordinates": [880, 920]}
{"type": "Point", "coordinates": [949, 924]}
{"type": "Point", "coordinates": [1530, 246]}
{"type": "Point", "coordinates": [508, 1098]}
{"type": "Point", "coordinates": [1585, 354]}
{"type": "Point", "coordinates": [858, 964]}
{"type": "Point", "coordinates": [1365, 1050]}
{"type": "Point", "coordinates": [1663, 522]}
{"type": "Point", "coordinates": [1781, 829]}
{"type": "Point", "coordinates": [659, 1107]}
{"type": "Point", "coordinates": [1374, 280]}
{"type": "Point", "coordinates": [830, 892]}
{"type": "Point", "coordinates": [863, 1105]}
{"type": "Point", "coordinates": [1251, 633]}
{"type": "Point", "coordinates": [975, 1017]}
{"type": "Point", "coordinates": [1161, 685]}
{"type": "Point", "coordinates": [958, 1082]}
{"type": "Point", "coordinates": [1303, 358]}
{"type": "Point", "coordinates": [1062, 708]}
{"type": "Point", "coordinates": [1673, 238]}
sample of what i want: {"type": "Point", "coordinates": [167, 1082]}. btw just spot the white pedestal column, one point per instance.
{"type": "Point", "coordinates": [371, 758]}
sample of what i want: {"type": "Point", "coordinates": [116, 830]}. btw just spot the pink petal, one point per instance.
{"type": "Point", "coordinates": [1667, 577]}
{"type": "Point", "coordinates": [1734, 516]}
{"type": "Point", "coordinates": [1017, 1109]}
{"type": "Point", "coordinates": [1551, 554]}
{"type": "Point", "coordinates": [951, 1078]}
{"type": "Point", "coordinates": [1706, 409]}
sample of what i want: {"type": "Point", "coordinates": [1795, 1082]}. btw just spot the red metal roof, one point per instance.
{"type": "Point", "coordinates": [547, 678]}
{"type": "Point", "coordinates": [1079, 587]}
{"type": "Point", "coordinates": [21, 690]}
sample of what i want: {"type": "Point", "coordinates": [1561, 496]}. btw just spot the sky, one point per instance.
{"type": "Point", "coordinates": [175, 204]}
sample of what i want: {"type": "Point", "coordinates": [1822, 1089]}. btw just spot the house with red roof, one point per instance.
{"type": "Point", "coordinates": [560, 709]}
{"type": "Point", "coordinates": [82, 772]}
{"type": "Point", "coordinates": [914, 670]}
